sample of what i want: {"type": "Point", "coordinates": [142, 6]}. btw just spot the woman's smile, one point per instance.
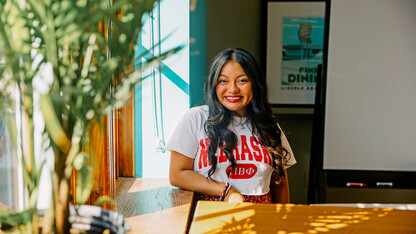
{"type": "Point", "coordinates": [233, 98]}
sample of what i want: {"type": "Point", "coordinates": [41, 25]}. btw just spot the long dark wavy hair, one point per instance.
{"type": "Point", "coordinates": [259, 112]}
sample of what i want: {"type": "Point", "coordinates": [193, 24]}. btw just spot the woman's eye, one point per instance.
{"type": "Point", "coordinates": [243, 80]}
{"type": "Point", "coordinates": [222, 81]}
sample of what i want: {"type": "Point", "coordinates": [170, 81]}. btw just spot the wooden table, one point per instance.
{"type": "Point", "coordinates": [222, 217]}
{"type": "Point", "coordinates": [153, 205]}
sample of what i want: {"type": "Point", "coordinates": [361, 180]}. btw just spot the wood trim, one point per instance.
{"type": "Point", "coordinates": [103, 181]}
{"type": "Point", "coordinates": [124, 139]}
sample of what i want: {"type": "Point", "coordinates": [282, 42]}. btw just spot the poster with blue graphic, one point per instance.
{"type": "Point", "coordinates": [302, 49]}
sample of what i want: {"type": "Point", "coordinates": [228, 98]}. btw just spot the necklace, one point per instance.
{"type": "Point", "coordinates": [242, 123]}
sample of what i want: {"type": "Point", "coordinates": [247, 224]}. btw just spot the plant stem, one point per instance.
{"type": "Point", "coordinates": [62, 185]}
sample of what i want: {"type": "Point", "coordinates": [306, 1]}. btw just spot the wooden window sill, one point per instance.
{"type": "Point", "coordinates": [152, 205]}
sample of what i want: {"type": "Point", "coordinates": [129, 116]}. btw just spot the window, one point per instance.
{"type": "Point", "coordinates": [8, 169]}
{"type": "Point", "coordinates": [163, 97]}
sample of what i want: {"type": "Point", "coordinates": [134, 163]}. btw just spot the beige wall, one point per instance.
{"type": "Point", "coordinates": [234, 23]}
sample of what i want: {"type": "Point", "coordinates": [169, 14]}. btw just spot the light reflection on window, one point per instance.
{"type": "Point", "coordinates": [8, 182]}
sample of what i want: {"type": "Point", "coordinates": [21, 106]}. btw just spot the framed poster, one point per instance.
{"type": "Point", "coordinates": [294, 49]}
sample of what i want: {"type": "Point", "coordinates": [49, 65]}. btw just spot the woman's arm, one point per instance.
{"type": "Point", "coordinates": [183, 176]}
{"type": "Point", "coordinates": [279, 192]}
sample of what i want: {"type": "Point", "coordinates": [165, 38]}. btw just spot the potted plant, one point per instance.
{"type": "Point", "coordinates": [73, 59]}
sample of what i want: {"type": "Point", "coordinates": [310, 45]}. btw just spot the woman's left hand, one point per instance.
{"type": "Point", "coordinates": [234, 196]}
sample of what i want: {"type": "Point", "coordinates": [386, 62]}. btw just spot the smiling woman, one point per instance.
{"type": "Point", "coordinates": [232, 148]}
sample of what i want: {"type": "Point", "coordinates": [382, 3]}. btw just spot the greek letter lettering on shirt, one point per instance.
{"type": "Point", "coordinates": [249, 150]}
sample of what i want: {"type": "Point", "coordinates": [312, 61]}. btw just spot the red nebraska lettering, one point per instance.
{"type": "Point", "coordinates": [203, 158]}
{"type": "Point", "coordinates": [244, 149]}
{"type": "Point", "coordinates": [250, 151]}
{"type": "Point", "coordinates": [222, 158]}
{"type": "Point", "coordinates": [242, 171]}
{"type": "Point", "coordinates": [236, 154]}
{"type": "Point", "coordinates": [266, 156]}
{"type": "Point", "coordinates": [256, 149]}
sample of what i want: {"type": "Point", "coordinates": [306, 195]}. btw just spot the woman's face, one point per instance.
{"type": "Point", "coordinates": [234, 88]}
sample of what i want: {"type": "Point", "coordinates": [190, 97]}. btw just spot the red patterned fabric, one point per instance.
{"type": "Point", "coordinates": [265, 198]}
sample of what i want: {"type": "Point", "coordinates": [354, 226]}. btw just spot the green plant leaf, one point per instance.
{"type": "Point", "coordinates": [84, 184]}
{"type": "Point", "coordinates": [12, 218]}
{"type": "Point", "coordinates": [103, 200]}
{"type": "Point", "coordinates": [80, 161]}
{"type": "Point", "coordinates": [52, 124]}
